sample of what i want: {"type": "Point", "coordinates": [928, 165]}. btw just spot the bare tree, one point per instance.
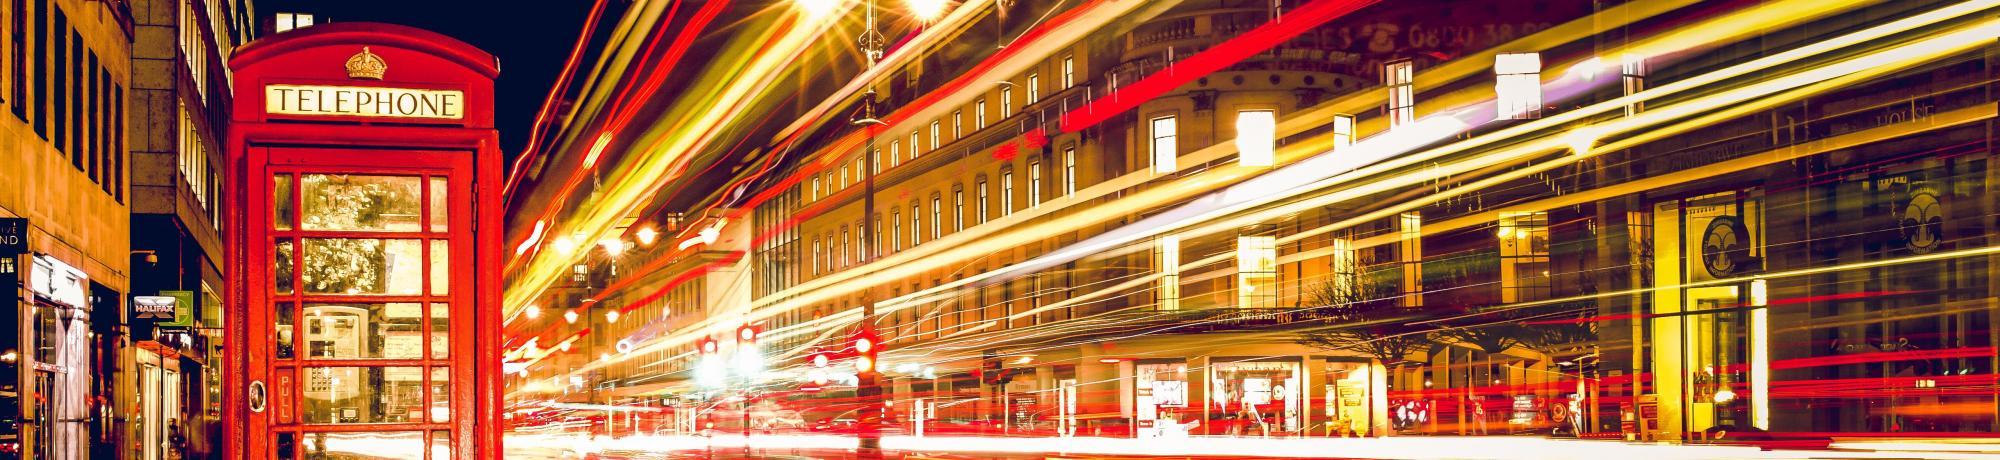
{"type": "Point", "coordinates": [1366, 319]}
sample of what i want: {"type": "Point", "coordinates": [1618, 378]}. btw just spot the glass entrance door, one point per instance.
{"type": "Point", "coordinates": [364, 266]}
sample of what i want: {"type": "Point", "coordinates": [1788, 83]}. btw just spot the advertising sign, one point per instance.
{"type": "Point", "coordinates": [169, 309]}
{"type": "Point", "coordinates": [13, 237]}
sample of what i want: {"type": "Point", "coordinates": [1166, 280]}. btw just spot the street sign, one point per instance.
{"type": "Point", "coordinates": [13, 236]}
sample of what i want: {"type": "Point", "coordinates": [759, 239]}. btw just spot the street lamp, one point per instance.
{"type": "Point", "coordinates": [818, 8]}
{"type": "Point", "coordinates": [928, 10]}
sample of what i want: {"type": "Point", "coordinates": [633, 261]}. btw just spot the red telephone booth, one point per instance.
{"type": "Point", "coordinates": [363, 190]}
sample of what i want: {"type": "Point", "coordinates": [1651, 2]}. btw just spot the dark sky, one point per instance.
{"type": "Point", "coordinates": [532, 38]}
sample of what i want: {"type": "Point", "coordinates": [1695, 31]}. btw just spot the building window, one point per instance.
{"type": "Point", "coordinates": [1034, 88]}
{"type": "Point", "coordinates": [289, 21]}
{"type": "Point", "coordinates": [1069, 170]}
{"type": "Point", "coordinates": [979, 115]}
{"type": "Point", "coordinates": [814, 196]}
{"type": "Point", "coordinates": [41, 101]}
{"type": "Point", "coordinates": [1410, 254]}
{"type": "Point", "coordinates": [981, 200]}
{"type": "Point", "coordinates": [875, 167]}
{"type": "Point", "coordinates": [844, 245]}
{"type": "Point", "coordinates": [1256, 137]}
{"type": "Point", "coordinates": [859, 255]}
{"type": "Point", "coordinates": [958, 202]}
{"type": "Point", "coordinates": [1168, 255]}
{"type": "Point", "coordinates": [1518, 83]}
{"type": "Point", "coordinates": [1399, 77]}
{"type": "Point", "coordinates": [914, 143]}
{"type": "Point", "coordinates": [60, 95]}
{"type": "Point", "coordinates": [1035, 183]}
{"type": "Point", "coordinates": [957, 124]}
{"type": "Point", "coordinates": [17, 58]}
{"type": "Point", "coordinates": [193, 157]}
{"type": "Point", "coordinates": [1006, 102]}
{"type": "Point", "coordinates": [1524, 256]}
{"type": "Point", "coordinates": [1166, 144]}
{"type": "Point", "coordinates": [916, 224]}
{"type": "Point", "coordinates": [815, 256]}
{"type": "Point", "coordinates": [896, 230]}
{"type": "Point", "coordinates": [937, 135]}
{"type": "Point", "coordinates": [193, 51]}
{"type": "Point", "coordinates": [843, 176]}
{"type": "Point", "coordinates": [895, 153]}
{"type": "Point", "coordinates": [876, 236]}
{"type": "Point", "coordinates": [1006, 193]}
{"type": "Point", "coordinates": [1257, 272]}
{"type": "Point", "coordinates": [937, 216]}
{"type": "Point", "coordinates": [1632, 73]}
{"type": "Point", "coordinates": [1069, 72]}
{"type": "Point", "coordinates": [1343, 131]}
{"type": "Point", "coordinates": [75, 89]}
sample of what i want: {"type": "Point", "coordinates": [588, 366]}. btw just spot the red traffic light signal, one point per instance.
{"type": "Point", "coordinates": [708, 346]}
{"type": "Point", "coordinates": [865, 345]}
{"type": "Point", "coordinates": [820, 359]}
{"type": "Point", "coordinates": [747, 334]}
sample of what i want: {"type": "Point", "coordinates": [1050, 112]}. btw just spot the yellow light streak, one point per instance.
{"type": "Point", "coordinates": [1157, 195]}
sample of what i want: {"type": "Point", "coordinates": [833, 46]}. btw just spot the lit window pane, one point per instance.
{"type": "Point", "coordinates": [285, 330]}
{"type": "Point", "coordinates": [281, 264]}
{"type": "Point", "coordinates": [440, 330]}
{"type": "Point", "coordinates": [1343, 131]}
{"type": "Point", "coordinates": [363, 395]}
{"type": "Point", "coordinates": [363, 331]}
{"type": "Point", "coordinates": [1166, 146]}
{"type": "Point", "coordinates": [440, 215]}
{"type": "Point", "coordinates": [1256, 137]}
{"type": "Point", "coordinates": [363, 266]}
{"type": "Point", "coordinates": [440, 267]}
{"type": "Point", "coordinates": [393, 445]}
{"type": "Point", "coordinates": [440, 394]}
{"type": "Point", "coordinates": [1518, 83]}
{"type": "Point", "coordinates": [281, 201]}
{"type": "Point", "coordinates": [440, 444]}
{"type": "Point", "coordinates": [356, 202]}
{"type": "Point", "coordinates": [1257, 271]}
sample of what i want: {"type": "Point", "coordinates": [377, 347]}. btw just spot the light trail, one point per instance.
{"type": "Point", "coordinates": [1409, 447]}
{"type": "Point", "coordinates": [1734, 111]}
{"type": "Point", "coordinates": [1294, 124]}
{"type": "Point", "coordinates": [1733, 102]}
{"type": "Point", "coordinates": [941, 252]}
{"type": "Point", "coordinates": [569, 67]}
{"type": "Point", "coordinates": [538, 276]}
{"type": "Point", "coordinates": [830, 320]}
{"type": "Point", "coordinates": [1208, 61]}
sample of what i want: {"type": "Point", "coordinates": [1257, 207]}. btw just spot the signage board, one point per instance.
{"type": "Point", "coordinates": [363, 101]}
{"type": "Point", "coordinates": [169, 309]}
{"type": "Point", "coordinates": [13, 236]}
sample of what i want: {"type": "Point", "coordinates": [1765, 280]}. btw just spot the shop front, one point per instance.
{"type": "Point", "coordinates": [1256, 397]}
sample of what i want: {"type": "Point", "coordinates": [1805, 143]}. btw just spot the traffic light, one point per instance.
{"type": "Point", "coordinates": [747, 334]}
{"type": "Point", "coordinates": [819, 360]}
{"type": "Point", "coordinates": [865, 346]}
{"type": "Point", "coordinates": [708, 346]}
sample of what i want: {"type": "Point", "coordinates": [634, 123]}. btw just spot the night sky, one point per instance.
{"type": "Point", "coordinates": [531, 38]}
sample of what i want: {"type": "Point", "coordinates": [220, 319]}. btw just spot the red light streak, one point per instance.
{"type": "Point", "coordinates": [1209, 61]}
{"type": "Point", "coordinates": [622, 114]}
{"type": "Point", "coordinates": [548, 103]}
